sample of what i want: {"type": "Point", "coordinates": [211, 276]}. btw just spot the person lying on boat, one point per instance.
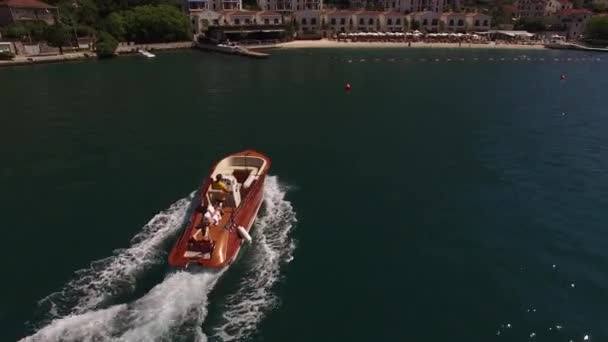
{"type": "Point", "coordinates": [200, 242]}
{"type": "Point", "coordinates": [212, 215]}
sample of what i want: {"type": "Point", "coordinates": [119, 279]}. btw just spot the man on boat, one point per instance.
{"type": "Point", "coordinates": [220, 184]}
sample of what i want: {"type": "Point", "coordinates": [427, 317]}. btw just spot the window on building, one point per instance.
{"type": "Point", "coordinates": [370, 21]}
{"type": "Point", "coordinates": [397, 21]}
{"type": "Point", "coordinates": [425, 22]}
{"type": "Point", "coordinates": [247, 21]}
{"type": "Point", "coordinates": [361, 21]}
{"type": "Point", "coordinates": [237, 21]}
{"type": "Point", "coordinates": [342, 21]}
{"type": "Point", "coordinates": [266, 21]}
{"type": "Point", "coordinates": [216, 22]}
{"type": "Point", "coordinates": [304, 21]}
{"type": "Point", "coordinates": [389, 21]}
{"type": "Point", "coordinates": [460, 22]}
{"type": "Point", "coordinates": [333, 21]}
{"type": "Point", "coordinates": [451, 22]}
{"type": "Point", "coordinates": [435, 22]}
{"type": "Point", "coordinates": [313, 21]}
{"type": "Point", "coordinates": [276, 20]}
{"type": "Point", "coordinates": [394, 5]}
{"type": "Point", "coordinates": [485, 23]}
{"type": "Point", "coordinates": [477, 22]}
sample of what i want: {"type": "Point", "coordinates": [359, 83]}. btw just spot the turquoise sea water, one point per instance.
{"type": "Point", "coordinates": [449, 196]}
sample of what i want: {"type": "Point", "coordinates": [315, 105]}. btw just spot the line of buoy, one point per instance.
{"type": "Point", "coordinates": [474, 59]}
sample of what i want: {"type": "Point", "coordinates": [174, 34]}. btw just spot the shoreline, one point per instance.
{"type": "Point", "coordinates": [35, 60]}
{"type": "Point", "coordinates": [125, 49]}
{"type": "Point", "coordinates": [325, 43]}
{"type": "Point", "coordinates": [122, 50]}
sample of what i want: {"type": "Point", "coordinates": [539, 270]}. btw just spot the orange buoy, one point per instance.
{"type": "Point", "coordinates": [347, 86]}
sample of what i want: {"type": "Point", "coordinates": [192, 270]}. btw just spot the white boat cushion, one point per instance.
{"type": "Point", "coordinates": [252, 177]}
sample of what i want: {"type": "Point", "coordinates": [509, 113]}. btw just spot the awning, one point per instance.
{"type": "Point", "coordinates": [252, 31]}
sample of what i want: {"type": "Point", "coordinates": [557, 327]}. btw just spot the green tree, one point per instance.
{"type": "Point", "coordinates": [36, 29]}
{"type": "Point", "coordinates": [597, 28]}
{"type": "Point", "coordinates": [15, 31]}
{"type": "Point", "coordinates": [115, 25]}
{"type": "Point", "coordinates": [105, 45]}
{"type": "Point", "coordinates": [600, 8]}
{"type": "Point", "coordinates": [84, 31]}
{"type": "Point", "coordinates": [531, 24]}
{"type": "Point", "coordinates": [57, 35]}
{"type": "Point", "coordinates": [415, 25]}
{"type": "Point", "coordinates": [6, 55]}
{"type": "Point", "coordinates": [160, 23]}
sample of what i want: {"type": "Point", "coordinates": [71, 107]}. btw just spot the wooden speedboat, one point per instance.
{"type": "Point", "coordinates": [223, 213]}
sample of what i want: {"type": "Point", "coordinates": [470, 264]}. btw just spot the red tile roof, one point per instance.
{"type": "Point", "coordinates": [238, 13]}
{"type": "Point", "coordinates": [453, 14]}
{"type": "Point", "coordinates": [268, 14]}
{"type": "Point", "coordinates": [24, 4]}
{"type": "Point", "coordinates": [393, 14]}
{"type": "Point", "coordinates": [365, 12]}
{"type": "Point", "coordinates": [341, 12]}
{"type": "Point", "coordinates": [575, 11]}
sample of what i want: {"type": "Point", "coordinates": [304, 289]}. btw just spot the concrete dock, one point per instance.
{"type": "Point", "coordinates": [232, 50]}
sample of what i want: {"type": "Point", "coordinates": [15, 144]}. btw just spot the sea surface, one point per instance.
{"type": "Point", "coordinates": [451, 195]}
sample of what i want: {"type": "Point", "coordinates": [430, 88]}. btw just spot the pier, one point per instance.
{"type": "Point", "coordinates": [232, 50]}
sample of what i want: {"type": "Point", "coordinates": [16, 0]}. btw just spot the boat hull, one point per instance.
{"type": "Point", "coordinates": [244, 215]}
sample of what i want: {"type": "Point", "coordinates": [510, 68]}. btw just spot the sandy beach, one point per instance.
{"type": "Point", "coordinates": [326, 43]}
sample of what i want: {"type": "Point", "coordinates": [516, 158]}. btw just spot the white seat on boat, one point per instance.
{"type": "Point", "coordinates": [252, 177]}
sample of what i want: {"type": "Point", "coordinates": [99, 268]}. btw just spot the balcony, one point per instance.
{"type": "Point", "coordinates": [198, 5]}
{"type": "Point", "coordinates": [231, 5]}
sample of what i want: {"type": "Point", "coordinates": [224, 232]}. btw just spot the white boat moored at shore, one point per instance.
{"type": "Point", "coordinates": [145, 53]}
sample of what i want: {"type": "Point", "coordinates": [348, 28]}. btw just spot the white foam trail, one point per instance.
{"type": "Point", "coordinates": [116, 274]}
{"type": "Point", "coordinates": [180, 300]}
{"type": "Point", "coordinates": [90, 326]}
{"type": "Point", "coordinates": [272, 248]}
{"type": "Point", "coordinates": [176, 308]}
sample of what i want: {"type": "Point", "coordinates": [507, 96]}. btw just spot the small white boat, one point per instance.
{"type": "Point", "coordinates": [146, 53]}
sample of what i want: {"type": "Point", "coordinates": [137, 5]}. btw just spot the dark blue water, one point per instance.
{"type": "Point", "coordinates": [451, 195]}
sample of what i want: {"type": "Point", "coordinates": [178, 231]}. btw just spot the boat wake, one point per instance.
{"type": "Point", "coordinates": [274, 248]}
{"type": "Point", "coordinates": [176, 308]}
{"type": "Point", "coordinates": [116, 275]}
{"type": "Point", "coordinates": [173, 309]}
